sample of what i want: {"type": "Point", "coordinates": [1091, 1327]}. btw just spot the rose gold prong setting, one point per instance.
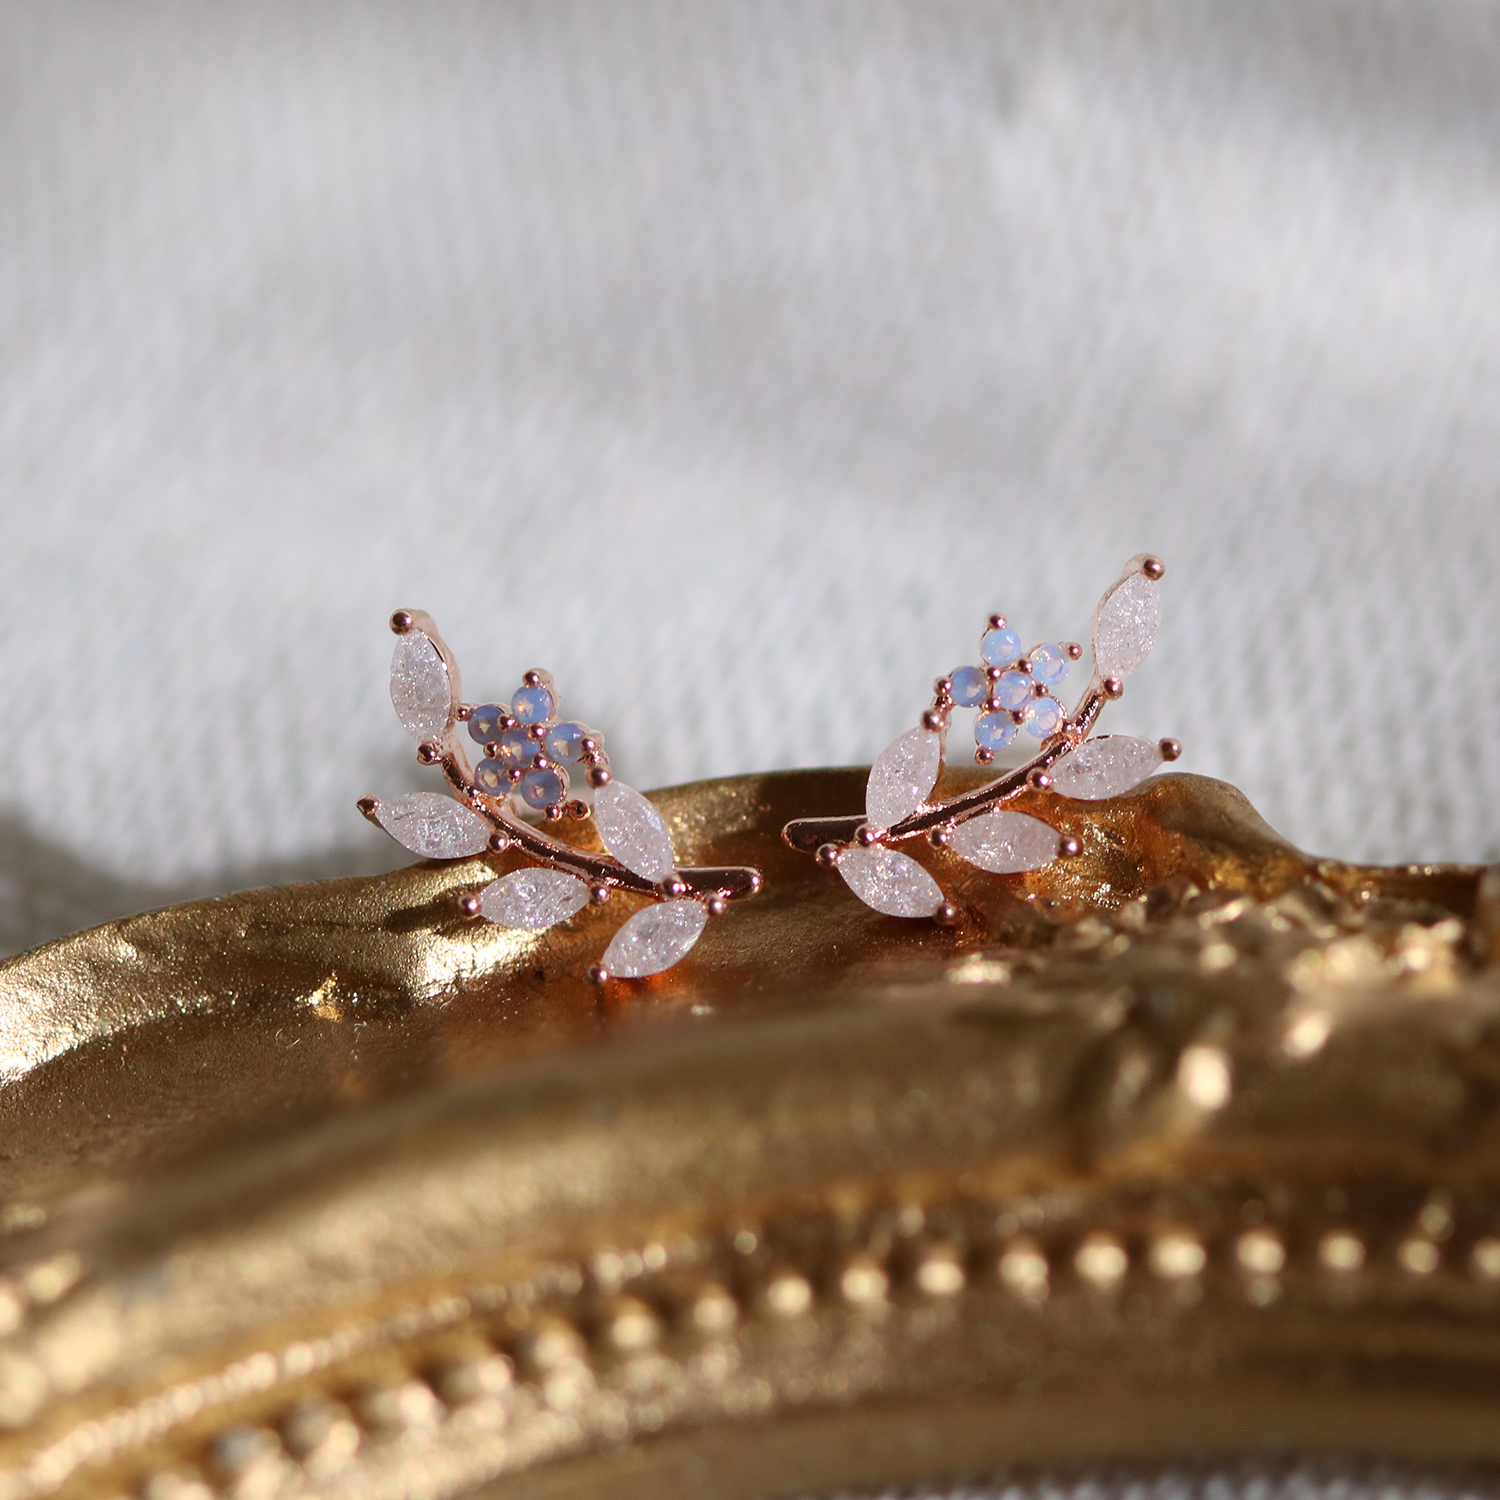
{"type": "Point", "coordinates": [946, 915]}
{"type": "Point", "coordinates": [1014, 692]}
{"type": "Point", "coordinates": [531, 757]}
{"type": "Point", "coordinates": [598, 975]}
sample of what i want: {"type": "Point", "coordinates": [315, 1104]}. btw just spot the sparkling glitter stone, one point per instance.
{"type": "Point", "coordinates": [489, 776]}
{"type": "Point", "coordinates": [532, 705]}
{"type": "Point", "coordinates": [970, 686]}
{"type": "Point", "coordinates": [1049, 665]}
{"type": "Point", "coordinates": [517, 748]}
{"type": "Point", "coordinates": [903, 774]}
{"type": "Point", "coordinates": [1125, 626]}
{"type": "Point", "coordinates": [633, 831]}
{"type": "Point", "coordinates": [420, 690]}
{"type": "Point", "coordinates": [540, 789]}
{"type": "Point", "coordinates": [484, 723]}
{"type": "Point", "coordinates": [1014, 690]}
{"type": "Point", "coordinates": [1105, 767]}
{"type": "Point", "coordinates": [563, 741]}
{"type": "Point", "coordinates": [1000, 648]}
{"type": "Point", "coordinates": [655, 938]}
{"type": "Point", "coordinates": [891, 883]}
{"type": "Point", "coordinates": [1006, 843]}
{"type": "Point", "coordinates": [533, 899]}
{"type": "Point", "coordinates": [434, 826]}
{"type": "Point", "coordinates": [994, 731]}
{"type": "Point", "coordinates": [1043, 717]}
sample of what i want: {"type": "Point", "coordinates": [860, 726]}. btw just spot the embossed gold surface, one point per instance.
{"type": "Point", "coordinates": [1187, 1148]}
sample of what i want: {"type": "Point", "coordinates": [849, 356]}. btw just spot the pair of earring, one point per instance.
{"type": "Point", "coordinates": [531, 756]}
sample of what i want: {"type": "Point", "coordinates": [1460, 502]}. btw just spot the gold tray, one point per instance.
{"type": "Point", "coordinates": [1182, 1151]}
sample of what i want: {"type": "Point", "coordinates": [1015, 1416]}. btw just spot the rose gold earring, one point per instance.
{"type": "Point", "coordinates": [523, 782]}
{"type": "Point", "coordinates": [1013, 692]}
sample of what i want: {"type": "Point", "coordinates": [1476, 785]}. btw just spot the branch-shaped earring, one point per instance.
{"type": "Point", "coordinates": [1013, 691]}
{"type": "Point", "coordinates": [531, 755]}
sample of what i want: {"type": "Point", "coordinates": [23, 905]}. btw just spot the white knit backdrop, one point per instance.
{"type": "Point", "coordinates": [732, 361]}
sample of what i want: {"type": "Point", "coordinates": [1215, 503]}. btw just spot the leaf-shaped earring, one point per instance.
{"type": "Point", "coordinates": [530, 756]}
{"type": "Point", "coordinates": [1013, 692]}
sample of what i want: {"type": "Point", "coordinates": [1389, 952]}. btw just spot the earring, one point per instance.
{"type": "Point", "coordinates": [1013, 693]}
{"type": "Point", "coordinates": [530, 758]}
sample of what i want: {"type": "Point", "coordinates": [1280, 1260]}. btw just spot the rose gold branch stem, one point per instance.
{"type": "Point", "coordinates": [810, 834]}
{"type": "Point", "coordinates": [734, 882]}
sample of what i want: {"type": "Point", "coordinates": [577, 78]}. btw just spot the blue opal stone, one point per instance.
{"type": "Point", "coordinates": [532, 705]}
{"type": "Point", "coordinates": [994, 731]}
{"type": "Point", "coordinates": [1014, 690]}
{"type": "Point", "coordinates": [484, 723]}
{"type": "Point", "coordinates": [564, 742]}
{"type": "Point", "coordinates": [1049, 665]}
{"type": "Point", "coordinates": [538, 789]}
{"type": "Point", "coordinates": [970, 686]}
{"type": "Point", "coordinates": [1001, 647]}
{"type": "Point", "coordinates": [516, 748]}
{"type": "Point", "coordinates": [1043, 717]}
{"type": "Point", "coordinates": [490, 775]}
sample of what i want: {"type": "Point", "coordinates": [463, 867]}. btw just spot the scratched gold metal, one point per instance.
{"type": "Point", "coordinates": [1184, 1150]}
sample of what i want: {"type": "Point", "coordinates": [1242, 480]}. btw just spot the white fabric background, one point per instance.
{"type": "Point", "coordinates": [732, 360]}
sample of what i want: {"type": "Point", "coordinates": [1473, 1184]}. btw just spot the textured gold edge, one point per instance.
{"type": "Point", "coordinates": [573, 1362]}
{"type": "Point", "coordinates": [874, 1157]}
{"type": "Point", "coordinates": [1100, 1233]}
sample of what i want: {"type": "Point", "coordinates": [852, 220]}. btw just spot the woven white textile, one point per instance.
{"type": "Point", "coordinates": [732, 361]}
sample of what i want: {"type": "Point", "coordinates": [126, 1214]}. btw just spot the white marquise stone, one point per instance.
{"type": "Point", "coordinates": [1105, 767]}
{"type": "Point", "coordinates": [434, 826]}
{"type": "Point", "coordinates": [1126, 625]}
{"type": "Point", "coordinates": [421, 692]}
{"type": "Point", "coordinates": [891, 883]}
{"type": "Point", "coordinates": [634, 832]}
{"type": "Point", "coordinates": [533, 899]}
{"type": "Point", "coordinates": [902, 776]}
{"type": "Point", "coordinates": [655, 938]}
{"type": "Point", "coordinates": [1005, 843]}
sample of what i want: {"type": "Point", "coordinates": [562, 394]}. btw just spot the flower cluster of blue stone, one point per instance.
{"type": "Point", "coordinates": [1012, 688]}
{"type": "Point", "coordinates": [527, 749]}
